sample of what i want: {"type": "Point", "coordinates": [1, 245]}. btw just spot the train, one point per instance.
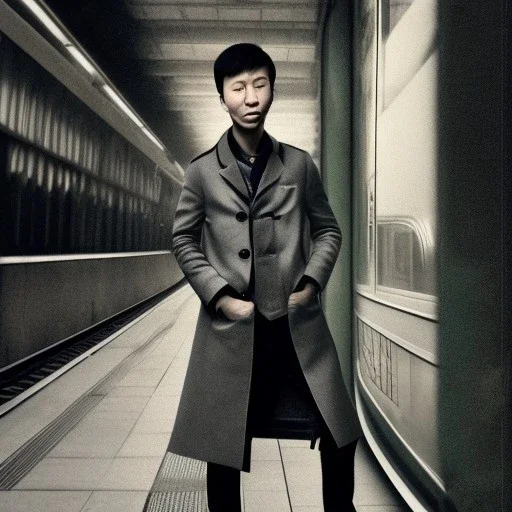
{"type": "Point", "coordinates": [416, 108]}
{"type": "Point", "coordinates": [87, 201]}
{"type": "Point", "coordinates": [415, 100]}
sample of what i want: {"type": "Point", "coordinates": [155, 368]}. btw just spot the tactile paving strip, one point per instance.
{"type": "Point", "coordinates": [14, 468]}
{"type": "Point", "coordinates": [23, 377]}
{"type": "Point", "coordinates": [180, 485]}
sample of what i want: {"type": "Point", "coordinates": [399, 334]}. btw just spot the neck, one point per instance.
{"type": "Point", "coordinates": [248, 140]}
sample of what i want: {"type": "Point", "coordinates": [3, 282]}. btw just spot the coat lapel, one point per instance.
{"type": "Point", "coordinates": [231, 173]}
{"type": "Point", "coordinates": [229, 168]}
{"type": "Point", "coordinates": [272, 174]}
{"type": "Point", "coordinates": [233, 176]}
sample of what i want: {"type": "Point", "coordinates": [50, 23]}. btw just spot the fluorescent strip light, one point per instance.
{"type": "Point", "coordinates": [122, 105]}
{"type": "Point", "coordinates": [81, 59]}
{"type": "Point", "coordinates": [152, 138]}
{"type": "Point", "coordinates": [178, 166]}
{"type": "Point", "coordinates": [46, 21]}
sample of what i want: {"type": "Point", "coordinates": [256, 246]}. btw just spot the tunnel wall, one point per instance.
{"type": "Point", "coordinates": [86, 205]}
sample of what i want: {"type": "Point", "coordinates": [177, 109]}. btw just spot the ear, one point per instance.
{"type": "Point", "coordinates": [223, 104]}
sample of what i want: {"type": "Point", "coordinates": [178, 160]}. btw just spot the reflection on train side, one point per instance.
{"type": "Point", "coordinates": [405, 255]}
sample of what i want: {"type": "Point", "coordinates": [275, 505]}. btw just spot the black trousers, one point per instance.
{"type": "Point", "coordinates": [275, 364]}
{"type": "Point", "coordinates": [223, 482]}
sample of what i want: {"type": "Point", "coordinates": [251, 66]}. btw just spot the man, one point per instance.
{"type": "Point", "coordinates": [257, 240]}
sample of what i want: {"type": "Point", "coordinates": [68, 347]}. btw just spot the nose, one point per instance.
{"type": "Point", "coordinates": [251, 98]}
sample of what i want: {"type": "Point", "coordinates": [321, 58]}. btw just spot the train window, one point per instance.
{"type": "Point", "coordinates": [408, 38]}
{"type": "Point", "coordinates": [406, 149]}
{"type": "Point", "coordinates": [392, 11]}
{"type": "Point", "coordinates": [405, 256]}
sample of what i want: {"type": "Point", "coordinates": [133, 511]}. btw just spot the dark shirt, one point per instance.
{"type": "Point", "coordinates": [251, 166]}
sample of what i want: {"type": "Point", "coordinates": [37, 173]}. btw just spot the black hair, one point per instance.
{"type": "Point", "coordinates": [239, 58]}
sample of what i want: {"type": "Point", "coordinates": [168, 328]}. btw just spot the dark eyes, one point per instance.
{"type": "Point", "coordinates": [259, 86]}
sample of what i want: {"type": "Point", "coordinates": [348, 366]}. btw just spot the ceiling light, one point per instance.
{"type": "Point", "coordinates": [45, 19]}
{"type": "Point", "coordinates": [81, 59]}
{"type": "Point", "coordinates": [152, 138]}
{"type": "Point", "coordinates": [122, 105]}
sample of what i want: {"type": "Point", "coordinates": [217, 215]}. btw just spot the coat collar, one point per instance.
{"type": "Point", "coordinates": [230, 171]}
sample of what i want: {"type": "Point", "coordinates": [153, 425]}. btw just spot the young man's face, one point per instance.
{"type": "Point", "coordinates": [247, 98]}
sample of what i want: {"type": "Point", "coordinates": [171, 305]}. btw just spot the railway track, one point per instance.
{"type": "Point", "coordinates": [26, 378]}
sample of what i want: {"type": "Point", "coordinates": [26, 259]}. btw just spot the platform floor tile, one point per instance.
{"type": "Point", "coordinates": [66, 474]}
{"type": "Point", "coordinates": [115, 501]}
{"type": "Point", "coordinates": [130, 473]}
{"type": "Point", "coordinates": [144, 445]}
{"type": "Point", "coordinates": [99, 434]}
{"type": "Point", "coordinates": [303, 475]}
{"type": "Point", "coordinates": [260, 501]}
{"type": "Point", "coordinates": [35, 501]}
{"type": "Point", "coordinates": [265, 475]}
{"type": "Point", "coordinates": [132, 391]}
{"type": "Point", "coordinates": [112, 403]}
{"type": "Point", "coordinates": [265, 449]}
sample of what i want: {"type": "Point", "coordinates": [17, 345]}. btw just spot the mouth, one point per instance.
{"type": "Point", "coordinates": [253, 114]}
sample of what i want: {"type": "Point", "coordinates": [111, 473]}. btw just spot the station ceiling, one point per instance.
{"type": "Point", "coordinates": [160, 54]}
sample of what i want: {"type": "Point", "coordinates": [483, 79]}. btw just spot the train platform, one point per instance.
{"type": "Point", "coordinates": [95, 439]}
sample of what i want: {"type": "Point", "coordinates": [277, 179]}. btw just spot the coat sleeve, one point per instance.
{"type": "Point", "coordinates": [186, 239]}
{"type": "Point", "coordinates": [324, 229]}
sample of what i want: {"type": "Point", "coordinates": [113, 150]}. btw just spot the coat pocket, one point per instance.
{"type": "Point", "coordinates": [231, 329]}
{"type": "Point", "coordinates": [285, 200]}
{"type": "Point", "coordinates": [299, 313]}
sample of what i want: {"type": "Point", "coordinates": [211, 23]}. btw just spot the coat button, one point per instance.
{"type": "Point", "coordinates": [241, 216]}
{"type": "Point", "coordinates": [244, 254]}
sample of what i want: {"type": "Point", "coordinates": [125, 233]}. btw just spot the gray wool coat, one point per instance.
{"type": "Point", "coordinates": [289, 231]}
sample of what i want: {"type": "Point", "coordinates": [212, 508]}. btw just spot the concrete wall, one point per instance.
{"type": "Point", "coordinates": [44, 302]}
